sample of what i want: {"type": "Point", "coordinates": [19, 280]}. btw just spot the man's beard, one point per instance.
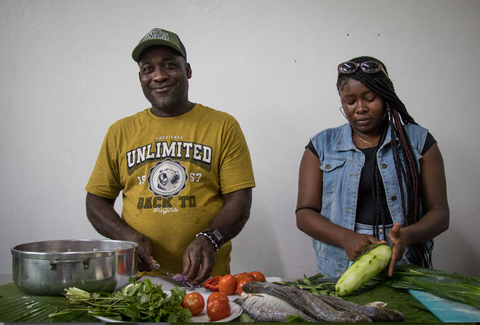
{"type": "Point", "coordinates": [166, 104]}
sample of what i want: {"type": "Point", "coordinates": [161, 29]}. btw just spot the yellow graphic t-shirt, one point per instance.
{"type": "Point", "coordinates": [173, 172]}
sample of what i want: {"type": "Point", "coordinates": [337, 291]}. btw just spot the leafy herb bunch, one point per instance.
{"type": "Point", "coordinates": [138, 302]}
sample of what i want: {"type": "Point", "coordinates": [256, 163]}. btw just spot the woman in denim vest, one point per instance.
{"type": "Point", "coordinates": [378, 178]}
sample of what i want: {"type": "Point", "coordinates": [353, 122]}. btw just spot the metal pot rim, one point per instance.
{"type": "Point", "coordinates": [22, 251]}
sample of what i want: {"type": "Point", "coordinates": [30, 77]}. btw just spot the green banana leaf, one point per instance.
{"type": "Point", "coordinates": [15, 306]}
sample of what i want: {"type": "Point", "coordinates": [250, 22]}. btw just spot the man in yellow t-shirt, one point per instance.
{"type": "Point", "coordinates": [184, 171]}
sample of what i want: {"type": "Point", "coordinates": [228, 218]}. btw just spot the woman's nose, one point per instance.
{"type": "Point", "coordinates": [361, 107]}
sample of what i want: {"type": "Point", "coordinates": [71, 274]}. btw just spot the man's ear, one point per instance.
{"type": "Point", "coordinates": [189, 70]}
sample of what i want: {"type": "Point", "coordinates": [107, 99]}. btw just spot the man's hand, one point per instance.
{"type": "Point", "coordinates": [104, 218]}
{"type": "Point", "coordinates": [198, 260]}
{"type": "Point", "coordinates": [199, 257]}
{"type": "Point", "coordinates": [145, 251]}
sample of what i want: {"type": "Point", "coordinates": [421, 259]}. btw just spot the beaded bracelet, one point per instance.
{"type": "Point", "coordinates": [210, 238]}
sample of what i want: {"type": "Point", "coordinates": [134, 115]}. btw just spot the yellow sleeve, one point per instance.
{"type": "Point", "coordinates": [236, 170]}
{"type": "Point", "coordinates": [104, 180]}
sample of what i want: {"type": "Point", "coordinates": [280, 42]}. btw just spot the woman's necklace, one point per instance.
{"type": "Point", "coordinates": [370, 143]}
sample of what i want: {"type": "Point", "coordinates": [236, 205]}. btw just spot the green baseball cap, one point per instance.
{"type": "Point", "coordinates": [159, 36]}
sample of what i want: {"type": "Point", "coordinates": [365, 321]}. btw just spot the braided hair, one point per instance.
{"type": "Point", "coordinates": [407, 172]}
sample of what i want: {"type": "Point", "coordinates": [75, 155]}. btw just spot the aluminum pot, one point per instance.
{"type": "Point", "coordinates": [46, 268]}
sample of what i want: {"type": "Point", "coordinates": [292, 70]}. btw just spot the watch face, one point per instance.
{"type": "Point", "coordinates": [217, 235]}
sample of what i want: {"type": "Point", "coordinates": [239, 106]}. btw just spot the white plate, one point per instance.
{"type": "Point", "coordinates": [236, 311]}
{"type": "Point", "coordinates": [108, 320]}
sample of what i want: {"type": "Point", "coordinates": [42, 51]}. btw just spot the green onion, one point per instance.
{"type": "Point", "coordinates": [451, 286]}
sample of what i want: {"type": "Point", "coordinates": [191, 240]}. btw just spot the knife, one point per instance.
{"type": "Point", "coordinates": [175, 277]}
{"type": "Point", "coordinates": [157, 266]}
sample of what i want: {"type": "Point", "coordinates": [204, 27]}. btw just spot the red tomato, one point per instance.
{"type": "Point", "coordinates": [243, 275]}
{"type": "Point", "coordinates": [217, 295]}
{"type": "Point", "coordinates": [258, 276]}
{"type": "Point", "coordinates": [241, 283]}
{"type": "Point", "coordinates": [227, 284]}
{"type": "Point", "coordinates": [193, 301]}
{"type": "Point", "coordinates": [218, 309]}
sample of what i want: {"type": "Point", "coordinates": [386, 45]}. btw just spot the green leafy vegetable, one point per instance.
{"type": "Point", "coordinates": [451, 286]}
{"type": "Point", "coordinates": [137, 302]}
{"type": "Point", "coordinates": [315, 284]}
{"type": "Point", "coordinates": [319, 285]}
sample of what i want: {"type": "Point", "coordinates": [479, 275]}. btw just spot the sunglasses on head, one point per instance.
{"type": "Point", "coordinates": [369, 67]}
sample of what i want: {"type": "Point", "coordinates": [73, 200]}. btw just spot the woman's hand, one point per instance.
{"type": "Point", "coordinates": [399, 244]}
{"type": "Point", "coordinates": [435, 205]}
{"type": "Point", "coordinates": [355, 247]}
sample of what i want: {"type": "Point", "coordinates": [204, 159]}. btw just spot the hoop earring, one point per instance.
{"type": "Point", "coordinates": [341, 111]}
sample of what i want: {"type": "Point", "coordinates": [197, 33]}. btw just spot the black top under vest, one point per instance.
{"type": "Point", "coordinates": [365, 199]}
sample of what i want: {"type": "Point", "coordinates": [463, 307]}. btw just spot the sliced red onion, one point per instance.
{"type": "Point", "coordinates": [183, 279]}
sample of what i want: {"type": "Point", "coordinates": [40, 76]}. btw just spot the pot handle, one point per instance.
{"type": "Point", "coordinates": [54, 263]}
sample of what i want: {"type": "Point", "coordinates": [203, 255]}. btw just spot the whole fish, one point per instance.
{"type": "Point", "coordinates": [376, 314]}
{"type": "Point", "coordinates": [267, 308]}
{"type": "Point", "coordinates": [314, 305]}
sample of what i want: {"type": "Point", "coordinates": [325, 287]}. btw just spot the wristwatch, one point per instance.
{"type": "Point", "coordinates": [213, 235]}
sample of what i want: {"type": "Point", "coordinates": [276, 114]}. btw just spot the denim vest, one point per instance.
{"type": "Point", "coordinates": [341, 164]}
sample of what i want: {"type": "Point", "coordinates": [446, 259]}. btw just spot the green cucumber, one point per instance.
{"type": "Point", "coordinates": [363, 269]}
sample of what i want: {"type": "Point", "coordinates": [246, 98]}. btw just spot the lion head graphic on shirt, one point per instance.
{"type": "Point", "coordinates": [167, 178]}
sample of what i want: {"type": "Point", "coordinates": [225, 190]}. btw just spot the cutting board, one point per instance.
{"type": "Point", "coordinates": [446, 310]}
